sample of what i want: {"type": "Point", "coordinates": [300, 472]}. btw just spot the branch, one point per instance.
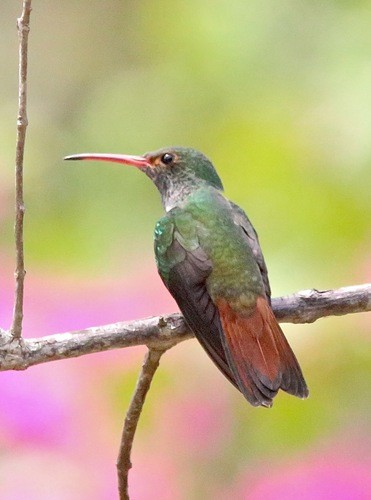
{"type": "Point", "coordinates": [22, 122]}
{"type": "Point", "coordinates": [150, 365]}
{"type": "Point", "coordinates": [309, 305]}
{"type": "Point", "coordinates": [165, 332]}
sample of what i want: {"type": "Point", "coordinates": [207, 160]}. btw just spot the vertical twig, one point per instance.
{"type": "Point", "coordinates": [150, 365]}
{"type": "Point", "coordinates": [22, 122]}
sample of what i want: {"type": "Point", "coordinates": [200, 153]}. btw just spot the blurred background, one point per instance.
{"type": "Point", "coordinates": [278, 95]}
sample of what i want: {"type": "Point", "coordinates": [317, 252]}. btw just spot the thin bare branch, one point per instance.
{"type": "Point", "coordinates": [149, 367]}
{"type": "Point", "coordinates": [309, 305]}
{"type": "Point", "coordinates": [23, 24]}
{"type": "Point", "coordinates": [165, 332]}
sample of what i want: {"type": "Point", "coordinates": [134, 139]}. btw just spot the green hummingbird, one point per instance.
{"type": "Point", "coordinates": [209, 258]}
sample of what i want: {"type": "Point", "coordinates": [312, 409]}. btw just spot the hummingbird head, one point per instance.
{"type": "Point", "coordinates": [176, 171]}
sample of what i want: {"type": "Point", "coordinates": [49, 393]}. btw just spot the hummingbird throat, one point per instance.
{"type": "Point", "coordinates": [176, 187]}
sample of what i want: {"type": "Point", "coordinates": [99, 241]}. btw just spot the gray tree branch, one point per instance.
{"type": "Point", "coordinates": [23, 24]}
{"type": "Point", "coordinates": [164, 332]}
{"type": "Point", "coordinates": [150, 365]}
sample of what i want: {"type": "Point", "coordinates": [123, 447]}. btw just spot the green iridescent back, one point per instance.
{"type": "Point", "coordinates": [206, 222]}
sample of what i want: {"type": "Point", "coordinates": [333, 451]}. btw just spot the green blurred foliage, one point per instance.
{"type": "Point", "coordinates": [277, 95]}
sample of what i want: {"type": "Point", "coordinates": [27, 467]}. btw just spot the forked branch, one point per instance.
{"type": "Point", "coordinates": [164, 332]}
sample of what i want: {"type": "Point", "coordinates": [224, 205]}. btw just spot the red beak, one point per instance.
{"type": "Point", "coordinates": [135, 161]}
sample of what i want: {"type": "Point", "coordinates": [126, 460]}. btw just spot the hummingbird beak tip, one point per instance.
{"type": "Point", "coordinates": [135, 161]}
{"type": "Point", "coordinates": [71, 157]}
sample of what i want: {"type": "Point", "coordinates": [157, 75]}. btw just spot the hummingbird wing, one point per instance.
{"type": "Point", "coordinates": [187, 284]}
{"type": "Point", "coordinates": [241, 219]}
{"type": "Point", "coordinates": [184, 267]}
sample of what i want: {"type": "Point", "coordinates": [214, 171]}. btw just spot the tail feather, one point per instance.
{"type": "Point", "coordinates": [259, 355]}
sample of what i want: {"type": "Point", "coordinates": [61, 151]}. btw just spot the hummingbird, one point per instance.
{"type": "Point", "coordinates": [209, 257]}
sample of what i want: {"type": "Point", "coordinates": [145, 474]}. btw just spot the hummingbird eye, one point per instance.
{"type": "Point", "coordinates": [167, 158]}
